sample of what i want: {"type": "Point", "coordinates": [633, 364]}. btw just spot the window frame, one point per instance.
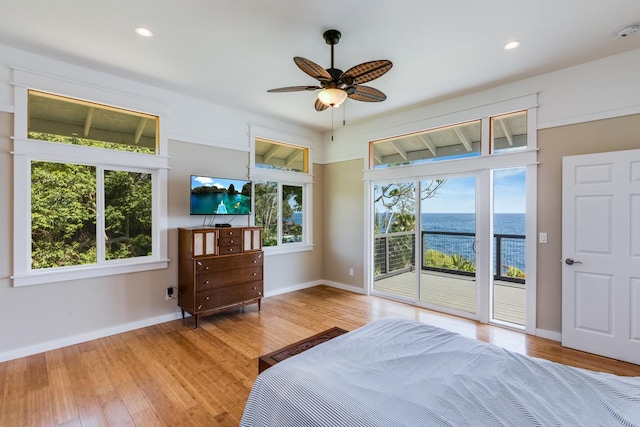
{"type": "Point", "coordinates": [280, 177]}
{"type": "Point", "coordinates": [486, 161]}
{"type": "Point", "coordinates": [27, 150]}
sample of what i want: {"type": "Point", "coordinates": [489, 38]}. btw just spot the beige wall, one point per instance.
{"type": "Point", "coordinates": [622, 133]}
{"type": "Point", "coordinates": [281, 272]}
{"type": "Point", "coordinates": [343, 211]}
{"type": "Point", "coordinates": [72, 311]}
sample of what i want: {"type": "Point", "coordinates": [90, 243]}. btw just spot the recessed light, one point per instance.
{"type": "Point", "coordinates": [512, 45]}
{"type": "Point", "coordinates": [144, 32]}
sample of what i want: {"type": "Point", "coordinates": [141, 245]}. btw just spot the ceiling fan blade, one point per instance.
{"type": "Point", "coordinates": [294, 88]}
{"type": "Point", "coordinates": [367, 94]}
{"type": "Point", "coordinates": [367, 71]}
{"type": "Point", "coordinates": [312, 69]}
{"type": "Point", "coordinates": [320, 106]}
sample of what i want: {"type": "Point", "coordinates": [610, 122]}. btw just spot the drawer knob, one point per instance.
{"type": "Point", "coordinates": [230, 241]}
{"type": "Point", "coordinates": [254, 273]}
{"type": "Point", "coordinates": [206, 282]}
{"type": "Point", "coordinates": [254, 288]}
{"type": "Point", "coordinates": [198, 262]}
{"type": "Point", "coordinates": [230, 249]}
{"type": "Point", "coordinates": [254, 261]}
{"type": "Point", "coordinates": [207, 267]}
{"type": "Point", "coordinates": [200, 306]}
{"type": "Point", "coordinates": [259, 293]}
{"type": "Point", "coordinates": [206, 298]}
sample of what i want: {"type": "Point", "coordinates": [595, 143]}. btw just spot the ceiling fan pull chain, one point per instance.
{"type": "Point", "coordinates": [332, 124]}
{"type": "Point", "coordinates": [344, 115]}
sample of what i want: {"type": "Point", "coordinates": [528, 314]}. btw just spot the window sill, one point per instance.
{"type": "Point", "coordinates": [85, 272]}
{"type": "Point", "coordinates": [288, 249]}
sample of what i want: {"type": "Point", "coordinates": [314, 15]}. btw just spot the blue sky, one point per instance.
{"type": "Point", "coordinates": [457, 195]}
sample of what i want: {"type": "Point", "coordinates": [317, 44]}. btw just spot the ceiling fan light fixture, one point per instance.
{"type": "Point", "coordinates": [332, 97]}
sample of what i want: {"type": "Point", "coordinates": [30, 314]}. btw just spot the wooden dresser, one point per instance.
{"type": "Point", "coordinates": [219, 269]}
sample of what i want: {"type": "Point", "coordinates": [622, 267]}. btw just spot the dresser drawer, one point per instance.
{"type": "Point", "coordinates": [209, 265]}
{"type": "Point", "coordinates": [231, 249]}
{"type": "Point", "coordinates": [224, 233]}
{"type": "Point", "coordinates": [217, 298]}
{"type": "Point", "coordinates": [230, 240]}
{"type": "Point", "coordinates": [221, 279]}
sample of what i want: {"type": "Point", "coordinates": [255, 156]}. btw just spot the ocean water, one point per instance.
{"type": "Point", "coordinates": [511, 223]}
{"type": "Point", "coordinates": [512, 250]}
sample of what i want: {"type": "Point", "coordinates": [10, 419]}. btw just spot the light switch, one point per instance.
{"type": "Point", "coordinates": [543, 238]}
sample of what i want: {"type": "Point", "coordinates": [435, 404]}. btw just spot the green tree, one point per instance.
{"type": "Point", "coordinates": [63, 214]}
{"type": "Point", "coordinates": [64, 210]}
{"type": "Point", "coordinates": [266, 215]}
{"type": "Point", "coordinates": [399, 199]}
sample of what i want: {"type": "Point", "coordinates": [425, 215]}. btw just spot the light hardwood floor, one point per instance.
{"type": "Point", "coordinates": [174, 375]}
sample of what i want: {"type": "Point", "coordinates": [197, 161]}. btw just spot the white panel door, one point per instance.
{"type": "Point", "coordinates": [601, 254]}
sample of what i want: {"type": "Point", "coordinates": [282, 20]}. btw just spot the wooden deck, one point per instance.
{"type": "Point", "coordinates": [457, 292]}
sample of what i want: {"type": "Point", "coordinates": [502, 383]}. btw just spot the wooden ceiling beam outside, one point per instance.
{"type": "Point", "coordinates": [428, 143]}
{"type": "Point", "coordinates": [400, 151]}
{"type": "Point", "coordinates": [507, 132]}
{"type": "Point", "coordinates": [141, 123]}
{"type": "Point", "coordinates": [272, 152]}
{"type": "Point", "coordinates": [293, 157]}
{"type": "Point", "coordinates": [465, 141]}
{"type": "Point", "coordinates": [87, 121]}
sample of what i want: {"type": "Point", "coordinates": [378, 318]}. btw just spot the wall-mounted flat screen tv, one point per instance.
{"type": "Point", "coordinates": [220, 196]}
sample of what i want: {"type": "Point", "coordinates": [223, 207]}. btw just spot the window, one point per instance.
{"type": "Point", "coordinates": [279, 211]}
{"type": "Point", "coordinates": [284, 157]}
{"type": "Point", "coordinates": [445, 143]}
{"type": "Point", "coordinates": [282, 191]}
{"type": "Point", "coordinates": [88, 188]}
{"type": "Point", "coordinates": [65, 221]}
{"type": "Point", "coordinates": [509, 132]}
{"type": "Point", "coordinates": [457, 141]}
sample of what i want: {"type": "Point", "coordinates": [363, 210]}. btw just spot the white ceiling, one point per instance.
{"type": "Point", "coordinates": [231, 52]}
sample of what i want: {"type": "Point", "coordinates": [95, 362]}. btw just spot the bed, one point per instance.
{"type": "Point", "coordinates": [395, 372]}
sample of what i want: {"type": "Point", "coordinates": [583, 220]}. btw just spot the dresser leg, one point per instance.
{"type": "Point", "coordinates": [182, 313]}
{"type": "Point", "coordinates": [259, 304]}
{"type": "Point", "coordinates": [197, 316]}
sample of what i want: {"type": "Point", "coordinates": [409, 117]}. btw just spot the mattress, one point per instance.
{"type": "Point", "coordinates": [395, 372]}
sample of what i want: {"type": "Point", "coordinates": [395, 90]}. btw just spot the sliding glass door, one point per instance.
{"type": "Point", "coordinates": [448, 243]}
{"type": "Point", "coordinates": [394, 226]}
{"type": "Point", "coordinates": [508, 291]}
{"type": "Point", "coordinates": [454, 243]}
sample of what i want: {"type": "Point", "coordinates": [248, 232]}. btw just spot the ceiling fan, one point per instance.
{"type": "Point", "coordinates": [337, 85]}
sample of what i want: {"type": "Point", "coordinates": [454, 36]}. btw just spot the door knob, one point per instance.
{"type": "Point", "coordinates": [569, 261]}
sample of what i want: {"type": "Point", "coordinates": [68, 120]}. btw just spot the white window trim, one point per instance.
{"type": "Point", "coordinates": [486, 161]}
{"type": "Point", "coordinates": [285, 178]}
{"type": "Point", "coordinates": [27, 150]}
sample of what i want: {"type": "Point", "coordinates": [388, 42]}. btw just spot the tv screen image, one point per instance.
{"type": "Point", "coordinates": [220, 196]}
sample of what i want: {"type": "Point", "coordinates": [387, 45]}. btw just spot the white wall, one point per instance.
{"type": "Point", "coordinates": [596, 90]}
{"type": "Point", "coordinates": [590, 92]}
{"type": "Point", "coordinates": [47, 316]}
{"type": "Point", "coordinates": [41, 317]}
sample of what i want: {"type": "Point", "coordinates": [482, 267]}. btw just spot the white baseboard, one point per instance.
{"type": "Point", "coordinates": [88, 336]}
{"type": "Point", "coordinates": [311, 285]}
{"type": "Point", "coordinates": [344, 287]}
{"type": "Point", "coordinates": [297, 287]}
{"type": "Point", "coordinates": [550, 335]}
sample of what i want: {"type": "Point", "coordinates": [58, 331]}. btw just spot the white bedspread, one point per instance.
{"type": "Point", "coordinates": [395, 372]}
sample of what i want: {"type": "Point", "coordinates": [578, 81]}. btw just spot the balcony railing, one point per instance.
{"type": "Point", "coordinates": [448, 252]}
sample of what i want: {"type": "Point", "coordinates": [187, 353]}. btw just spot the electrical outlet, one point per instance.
{"type": "Point", "coordinates": [351, 272]}
{"type": "Point", "coordinates": [171, 293]}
